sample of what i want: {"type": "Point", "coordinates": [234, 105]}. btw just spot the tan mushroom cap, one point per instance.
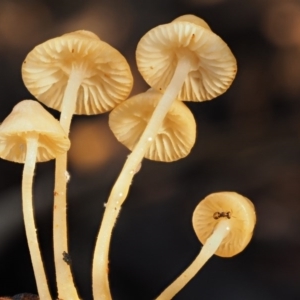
{"type": "Point", "coordinates": [27, 117]}
{"type": "Point", "coordinates": [107, 76]}
{"type": "Point", "coordinates": [176, 136]}
{"type": "Point", "coordinates": [214, 66]}
{"type": "Point", "coordinates": [242, 220]}
{"type": "Point", "coordinates": [192, 19]}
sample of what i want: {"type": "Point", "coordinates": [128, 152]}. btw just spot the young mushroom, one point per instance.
{"type": "Point", "coordinates": [224, 224]}
{"type": "Point", "coordinates": [185, 60]}
{"type": "Point", "coordinates": [175, 138]}
{"type": "Point", "coordinates": [75, 73]}
{"type": "Point", "coordinates": [29, 135]}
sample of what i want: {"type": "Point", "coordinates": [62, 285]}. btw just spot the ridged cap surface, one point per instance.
{"type": "Point", "coordinates": [214, 66]}
{"type": "Point", "coordinates": [242, 220]}
{"type": "Point", "coordinates": [107, 76]}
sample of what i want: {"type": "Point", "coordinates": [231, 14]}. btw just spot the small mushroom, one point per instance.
{"type": "Point", "coordinates": [74, 73]}
{"type": "Point", "coordinates": [224, 224]}
{"type": "Point", "coordinates": [175, 137]}
{"type": "Point", "coordinates": [29, 135]}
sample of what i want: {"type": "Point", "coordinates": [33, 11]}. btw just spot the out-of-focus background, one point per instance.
{"type": "Point", "coordinates": [248, 141]}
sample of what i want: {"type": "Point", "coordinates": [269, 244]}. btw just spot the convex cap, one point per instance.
{"type": "Point", "coordinates": [235, 207]}
{"type": "Point", "coordinates": [176, 136]}
{"type": "Point", "coordinates": [214, 66]}
{"type": "Point", "coordinates": [107, 79]}
{"type": "Point", "coordinates": [27, 117]}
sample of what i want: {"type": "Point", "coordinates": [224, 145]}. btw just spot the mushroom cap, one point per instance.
{"type": "Point", "coordinates": [242, 221]}
{"type": "Point", "coordinates": [28, 117]}
{"type": "Point", "coordinates": [192, 19]}
{"type": "Point", "coordinates": [107, 79]}
{"type": "Point", "coordinates": [176, 136]}
{"type": "Point", "coordinates": [214, 66]}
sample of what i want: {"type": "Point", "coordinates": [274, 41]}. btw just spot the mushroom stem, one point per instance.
{"type": "Point", "coordinates": [120, 190]}
{"type": "Point", "coordinates": [208, 250]}
{"type": "Point", "coordinates": [30, 228]}
{"type": "Point", "coordinates": [69, 99]}
{"type": "Point", "coordinates": [64, 279]}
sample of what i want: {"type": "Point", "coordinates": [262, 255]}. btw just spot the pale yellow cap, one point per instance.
{"type": "Point", "coordinates": [107, 76]}
{"type": "Point", "coordinates": [27, 117]}
{"type": "Point", "coordinates": [176, 136]}
{"type": "Point", "coordinates": [214, 66]}
{"type": "Point", "coordinates": [240, 213]}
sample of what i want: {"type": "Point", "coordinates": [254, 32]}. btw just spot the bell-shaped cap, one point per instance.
{"type": "Point", "coordinates": [213, 64]}
{"type": "Point", "coordinates": [237, 209]}
{"type": "Point", "coordinates": [28, 117]}
{"type": "Point", "coordinates": [176, 136]}
{"type": "Point", "coordinates": [106, 75]}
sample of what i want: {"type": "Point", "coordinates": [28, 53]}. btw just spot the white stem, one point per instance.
{"type": "Point", "coordinates": [30, 228]}
{"type": "Point", "coordinates": [64, 279]}
{"type": "Point", "coordinates": [70, 98]}
{"type": "Point", "coordinates": [120, 190]}
{"type": "Point", "coordinates": [207, 251]}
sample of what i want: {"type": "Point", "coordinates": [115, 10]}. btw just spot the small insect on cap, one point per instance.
{"type": "Point", "coordinates": [107, 79]}
{"type": "Point", "coordinates": [176, 136]}
{"type": "Point", "coordinates": [213, 64]}
{"type": "Point", "coordinates": [237, 209]}
{"type": "Point", "coordinates": [27, 117]}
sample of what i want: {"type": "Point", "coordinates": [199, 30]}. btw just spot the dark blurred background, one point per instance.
{"type": "Point", "coordinates": [248, 141]}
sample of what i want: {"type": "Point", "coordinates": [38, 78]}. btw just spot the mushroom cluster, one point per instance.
{"type": "Point", "coordinates": [77, 73]}
{"type": "Point", "coordinates": [184, 60]}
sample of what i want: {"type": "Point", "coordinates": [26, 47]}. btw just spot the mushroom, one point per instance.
{"type": "Point", "coordinates": [224, 224]}
{"type": "Point", "coordinates": [185, 61]}
{"type": "Point", "coordinates": [174, 139]}
{"type": "Point", "coordinates": [77, 73]}
{"type": "Point", "coordinates": [29, 135]}
{"type": "Point", "coordinates": [74, 73]}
